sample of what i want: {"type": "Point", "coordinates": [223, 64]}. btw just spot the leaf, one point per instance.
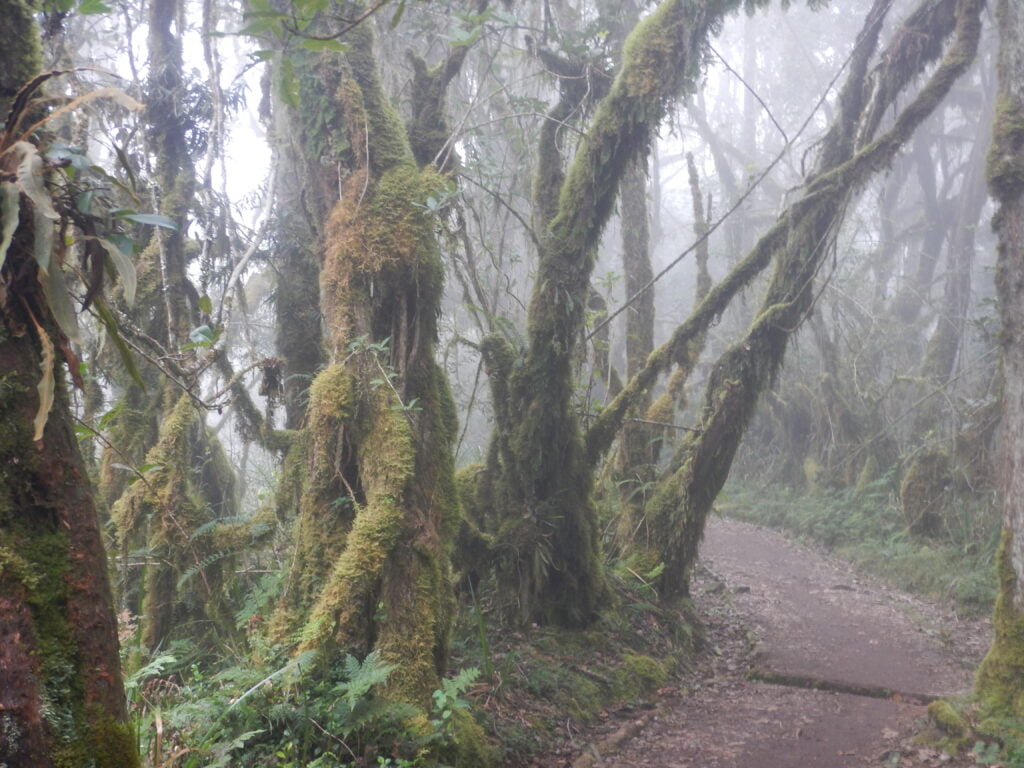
{"type": "Point", "coordinates": [59, 298]}
{"type": "Point", "coordinates": [51, 277]}
{"type": "Point", "coordinates": [10, 200]}
{"type": "Point", "coordinates": [30, 179]}
{"type": "Point", "coordinates": [154, 668]}
{"type": "Point", "coordinates": [200, 566]}
{"type": "Point", "coordinates": [115, 94]}
{"type": "Point", "coordinates": [85, 432]}
{"type": "Point", "coordinates": [66, 154]}
{"type": "Point", "coordinates": [156, 219]}
{"type": "Point", "coordinates": [324, 45]}
{"type": "Point", "coordinates": [123, 264]}
{"type": "Point", "coordinates": [203, 336]}
{"type": "Point", "coordinates": [288, 83]}
{"type": "Point", "coordinates": [296, 663]}
{"type": "Point", "coordinates": [126, 354]}
{"type": "Point", "coordinates": [46, 383]}
{"type": "Point", "coordinates": [205, 305]}
{"type": "Point", "coordinates": [92, 7]}
{"type": "Point", "coordinates": [84, 201]}
{"type": "Point", "coordinates": [397, 15]}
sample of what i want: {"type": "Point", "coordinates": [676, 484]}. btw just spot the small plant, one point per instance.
{"type": "Point", "coordinates": [449, 697]}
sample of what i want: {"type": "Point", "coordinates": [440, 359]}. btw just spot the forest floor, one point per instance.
{"type": "Point", "coordinates": [777, 610]}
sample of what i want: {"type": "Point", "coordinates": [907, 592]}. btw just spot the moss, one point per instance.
{"type": "Point", "coordinates": [379, 244]}
{"type": "Point", "coordinates": [20, 59]}
{"type": "Point", "coordinates": [190, 483]}
{"type": "Point", "coordinates": [386, 463]}
{"type": "Point", "coordinates": [923, 491]}
{"type": "Point", "coordinates": [638, 676]}
{"type": "Point", "coordinates": [469, 747]}
{"type": "Point", "coordinates": [1005, 167]}
{"type": "Point", "coordinates": [113, 744]}
{"type": "Point", "coordinates": [812, 474]}
{"type": "Point", "coordinates": [388, 144]}
{"type": "Point", "coordinates": [952, 724]}
{"type": "Point", "coordinates": [868, 474]}
{"type": "Point", "coordinates": [999, 681]}
{"type": "Point", "coordinates": [34, 561]}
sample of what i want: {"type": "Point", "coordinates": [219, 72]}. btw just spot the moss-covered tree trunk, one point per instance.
{"type": "Point", "coordinates": [744, 371]}
{"type": "Point", "coordinates": [376, 504]}
{"type": "Point", "coordinates": [541, 474]}
{"type": "Point", "coordinates": [1000, 682]}
{"type": "Point", "coordinates": [61, 695]}
{"type": "Point", "coordinates": [192, 484]}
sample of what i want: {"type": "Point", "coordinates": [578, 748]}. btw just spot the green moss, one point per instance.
{"type": "Point", "coordinates": [639, 676]}
{"type": "Point", "coordinates": [868, 473]}
{"type": "Point", "coordinates": [469, 748]}
{"type": "Point", "coordinates": [812, 474]}
{"type": "Point", "coordinates": [112, 744]}
{"type": "Point", "coordinates": [923, 490]}
{"type": "Point", "coordinates": [190, 483]}
{"type": "Point", "coordinates": [386, 461]}
{"type": "Point", "coordinates": [952, 724]}
{"type": "Point", "coordinates": [20, 59]}
{"type": "Point", "coordinates": [1005, 166]}
{"type": "Point", "coordinates": [1000, 680]}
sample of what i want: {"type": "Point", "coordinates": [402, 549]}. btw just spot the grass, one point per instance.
{"type": "Point", "coordinates": [866, 528]}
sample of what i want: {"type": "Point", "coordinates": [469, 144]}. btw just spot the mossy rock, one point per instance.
{"type": "Point", "coordinates": [639, 676]}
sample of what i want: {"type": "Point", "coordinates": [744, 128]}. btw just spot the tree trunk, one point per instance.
{"type": "Point", "coordinates": [377, 506]}
{"type": "Point", "coordinates": [549, 555]}
{"type": "Point", "coordinates": [61, 694]}
{"type": "Point", "coordinates": [1000, 682]}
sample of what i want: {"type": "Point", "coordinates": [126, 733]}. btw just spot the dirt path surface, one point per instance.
{"type": "Point", "coordinates": [787, 610]}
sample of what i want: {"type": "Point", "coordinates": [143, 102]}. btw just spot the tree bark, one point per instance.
{"type": "Point", "coordinates": [376, 503]}
{"type": "Point", "coordinates": [61, 694]}
{"type": "Point", "coordinates": [1000, 681]}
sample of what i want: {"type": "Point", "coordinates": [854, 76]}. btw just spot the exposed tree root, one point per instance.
{"type": "Point", "coordinates": [771, 677]}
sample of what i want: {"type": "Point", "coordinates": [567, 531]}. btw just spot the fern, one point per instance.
{"type": "Point", "coordinates": [202, 565]}
{"type": "Point", "coordinates": [362, 677]}
{"type": "Point", "coordinates": [212, 525]}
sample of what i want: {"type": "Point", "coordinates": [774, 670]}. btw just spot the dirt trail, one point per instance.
{"type": "Point", "coordinates": [791, 611]}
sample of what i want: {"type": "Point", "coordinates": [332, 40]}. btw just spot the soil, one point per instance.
{"type": "Point", "coordinates": [779, 610]}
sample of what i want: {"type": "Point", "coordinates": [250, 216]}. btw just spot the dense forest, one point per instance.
{"type": "Point", "coordinates": [350, 351]}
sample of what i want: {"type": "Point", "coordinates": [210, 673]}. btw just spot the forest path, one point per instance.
{"type": "Point", "coordinates": [791, 611]}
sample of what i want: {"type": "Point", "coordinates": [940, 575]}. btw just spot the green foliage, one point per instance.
{"type": "Point", "coordinates": [449, 698]}
{"type": "Point", "coordinates": [867, 526]}
{"type": "Point", "coordinates": [289, 711]}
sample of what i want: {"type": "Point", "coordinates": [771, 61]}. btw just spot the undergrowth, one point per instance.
{"type": "Point", "coordinates": [290, 712]}
{"type": "Point", "coordinates": [866, 527]}
{"type": "Point", "coordinates": [546, 685]}
{"type": "Point", "coordinates": [510, 695]}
